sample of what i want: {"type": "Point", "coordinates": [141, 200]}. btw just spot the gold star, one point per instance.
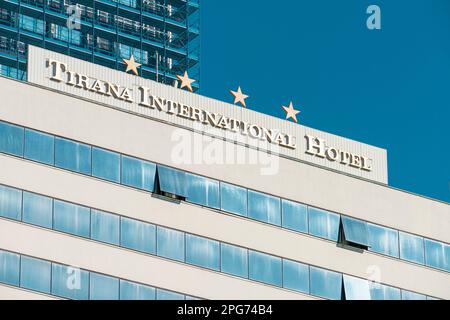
{"type": "Point", "coordinates": [239, 97]}
{"type": "Point", "coordinates": [291, 112]}
{"type": "Point", "coordinates": [132, 65]}
{"type": "Point", "coordinates": [186, 81]}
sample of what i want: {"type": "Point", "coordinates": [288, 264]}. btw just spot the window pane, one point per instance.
{"type": "Point", "coordinates": [356, 289]}
{"type": "Point", "coordinates": [383, 240]}
{"type": "Point", "coordinates": [323, 224]}
{"type": "Point", "coordinates": [233, 199]}
{"type": "Point", "coordinates": [35, 274]}
{"type": "Point", "coordinates": [104, 227]}
{"type": "Point", "coordinates": [295, 216]}
{"type": "Point", "coordinates": [265, 268]}
{"type": "Point", "coordinates": [72, 155]}
{"type": "Point", "coordinates": [295, 276]}
{"type": "Point", "coordinates": [202, 191]}
{"type": "Point", "coordinates": [168, 295]}
{"type": "Point", "coordinates": [103, 287]}
{"type": "Point", "coordinates": [39, 146]}
{"type": "Point", "coordinates": [70, 282]}
{"type": "Point", "coordinates": [72, 218]}
{"type": "Point", "coordinates": [133, 291]}
{"type": "Point", "coordinates": [138, 235]}
{"type": "Point", "coordinates": [202, 252]}
{"type": "Point", "coordinates": [105, 164]}
{"type": "Point", "coordinates": [9, 268]}
{"type": "Point", "coordinates": [171, 244]}
{"type": "Point", "coordinates": [383, 292]}
{"type": "Point", "coordinates": [234, 260]}
{"type": "Point", "coordinates": [408, 295]}
{"type": "Point", "coordinates": [138, 174]}
{"type": "Point", "coordinates": [264, 208]}
{"type": "Point", "coordinates": [435, 254]}
{"type": "Point", "coordinates": [11, 139]}
{"type": "Point", "coordinates": [37, 210]}
{"type": "Point", "coordinates": [10, 202]}
{"type": "Point", "coordinates": [411, 248]}
{"type": "Point", "coordinates": [326, 284]}
{"type": "Point", "coordinates": [447, 257]}
{"type": "Point", "coordinates": [355, 231]}
{"type": "Point", "coordinates": [172, 181]}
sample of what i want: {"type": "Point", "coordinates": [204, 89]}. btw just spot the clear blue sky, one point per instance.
{"type": "Point", "coordinates": [389, 88]}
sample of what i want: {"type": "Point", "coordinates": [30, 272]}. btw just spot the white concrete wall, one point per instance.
{"type": "Point", "coordinates": [13, 293]}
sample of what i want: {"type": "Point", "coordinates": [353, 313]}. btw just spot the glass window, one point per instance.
{"type": "Point", "coordinates": [9, 268]}
{"type": "Point", "coordinates": [234, 260]}
{"type": "Point", "coordinates": [138, 235]}
{"type": "Point", "coordinates": [264, 208]}
{"type": "Point", "coordinates": [168, 295]}
{"type": "Point", "coordinates": [409, 295]}
{"type": "Point", "coordinates": [11, 139]}
{"type": "Point", "coordinates": [172, 181]}
{"type": "Point", "coordinates": [72, 218]}
{"type": "Point", "coordinates": [295, 276]}
{"type": "Point", "coordinates": [37, 210]}
{"type": "Point", "coordinates": [104, 227]}
{"type": "Point", "coordinates": [355, 231]}
{"type": "Point", "coordinates": [435, 254]}
{"type": "Point", "coordinates": [171, 244]}
{"type": "Point", "coordinates": [356, 289]}
{"type": "Point", "coordinates": [323, 224]}
{"type": "Point", "coordinates": [265, 268]}
{"type": "Point", "coordinates": [39, 146]}
{"type": "Point", "coordinates": [383, 240]}
{"type": "Point", "coordinates": [72, 156]}
{"type": "Point", "coordinates": [103, 287]}
{"type": "Point", "coordinates": [411, 248]}
{"type": "Point", "coordinates": [202, 191]}
{"type": "Point", "coordinates": [70, 282]}
{"type": "Point", "coordinates": [138, 174]}
{"type": "Point", "coordinates": [134, 291]}
{"type": "Point", "coordinates": [10, 202]}
{"type": "Point", "coordinates": [105, 164]}
{"type": "Point", "coordinates": [295, 216]}
{"type": "Point", "coordinates": [326, 284]}
{"type": "Point", "coordinates": [382, 292]}
{"type": "Point", "coordinates": [447, 257]}
{"type": "Point", "coordinates": [233, 199]}
{"type": "Point", "coordinates": [35, 274]}
{"type": "Point", "coordinates": [202, 252]}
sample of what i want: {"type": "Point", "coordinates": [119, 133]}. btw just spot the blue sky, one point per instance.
{"type": "Point", "coordinates": [389, 87]}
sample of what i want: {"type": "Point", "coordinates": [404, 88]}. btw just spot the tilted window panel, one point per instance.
{"type": "Point", "coordinates": [172, 181]}
{"type": "Point", "coordinates": [355, 231]}
{"type": "Point", "coordinates": [356, 288]}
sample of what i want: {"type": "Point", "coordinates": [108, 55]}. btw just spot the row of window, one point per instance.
{"type": "Point", "coordinates": [11, 72]}
{"type": "Point", "coordinates": [144, 175]}
{"type": "Point", "coordinates": [73, 283]}
{"type": "Point", "coordinates": [184, 247]}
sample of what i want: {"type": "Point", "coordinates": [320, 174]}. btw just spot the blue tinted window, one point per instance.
{"type": "Point", "coordinates": [138, 174]}
{"type": "Point", "coordinates": [39, 146]}
{"type": "Point", "coordinates": [435, 254]}
{"type": "Point", "coordinates": [447, 257]}
{"type": "Point", "coordinates": [355, 231]}
{"type": "Point", "coordinates": [382, 292]}
{"type": "Point", "coordinates": [202, 191]}
{"type": "Point", "coordinates": [326, 284]}
{"type": "Point", "coordinates": [104, 227]}
{"type": "Point", "coordinates": [409, 295]}
{"type": "Point", "coordinates": [71, 218]}
{"type": "Point", "coordinates": [233, 199]}
{"type": "Point", "coordinates": [168, 295]}
{"type": "Point", "coordinates": [295, 216]}
{"type": "Point", "coordinates": [105, 164]}
{"type": "Point", "coordinates": [138, 235]}
{"type": "Point", "coordinates": [234, 260]}
{"type": "Point", "coordinates": [37, 210]}
{"type": "Point", "coordinates": [35, 274]}
{"type": "Point", "coordinates": [9, 268]}
{"type": "Point", "coordinates": [356, 288]}
{"type": "Point", "coordinates": [103, 287]}
{"type": "Point", "coordinates": [265, 268]}
{"type": "Point", "coordinates": [69, 282]}
{"type": "Point", "coordinates": [202, 252]}
{"type": "Point", "coordinates": [295, 276]}
{"type": "Point", "coordinates": [323, 224]}
{"type": "Point", "coordinates": [264, 208]}
{"type": "Point", "coordinates": [171, 244]}
{"type": "Point", "coordinates": [383, 240]}
{"type": "Point", "coordinates": [135, 291]}
{"type": "Point", "coordinates": [11, 139]}
{"type": "Point", "coordinates": [72, 156]}
{"type": "Point", "coordinates": [411, 248]}
{"type": "Point", "coordinates": [10, 202]}
{"type": "Point", "coordinates": [172, 180]}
